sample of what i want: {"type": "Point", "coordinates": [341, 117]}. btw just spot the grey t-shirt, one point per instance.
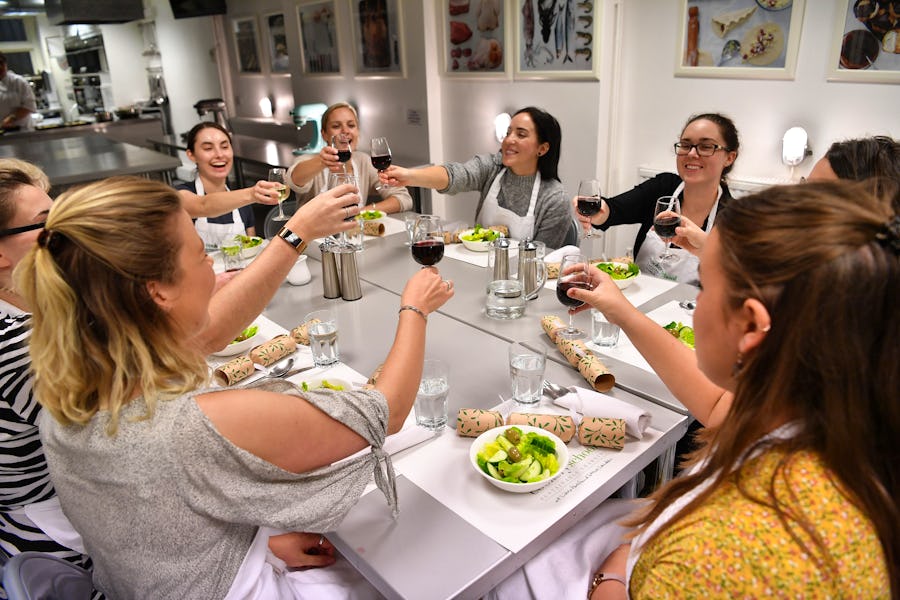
{"type": "Point", "coordinates": [168, 507]}
{"type": "Point", "coordinates": [552, 211]}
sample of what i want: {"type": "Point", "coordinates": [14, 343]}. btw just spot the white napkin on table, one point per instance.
{"type": "Point", "coordinates": [409, 436]}
{"type": "Point", "coordinates": [557, 255]}
{"type": "Point", "coordinates": [595, 404]}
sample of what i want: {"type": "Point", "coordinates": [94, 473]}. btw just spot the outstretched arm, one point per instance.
{"type": "Point", "coordinates": [219, 203]}
{"type": "Point", "coordinates": [434, 177]}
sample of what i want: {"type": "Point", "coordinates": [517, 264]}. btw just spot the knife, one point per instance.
{"type": "Point", "coordinates": [293, 372]}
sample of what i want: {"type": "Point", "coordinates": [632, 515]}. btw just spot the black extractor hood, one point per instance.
{"type": "Point", "coordinates": [72, 12]}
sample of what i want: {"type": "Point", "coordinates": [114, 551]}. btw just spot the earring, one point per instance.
{"type": "Point", "coordinates": [738, 366]}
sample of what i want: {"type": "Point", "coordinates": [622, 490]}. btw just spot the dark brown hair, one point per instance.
{"type": "Point", "coordinates": [196, 129]}
{"type": "Point", "coordinates": [728, 131]}
{"type": "Point", "coordinates": [859, 159]}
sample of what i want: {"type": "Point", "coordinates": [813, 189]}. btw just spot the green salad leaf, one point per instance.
{"type": "Point", "coordinates": [531, 458]}
{"type": "Point", "coordinates": [480, 234]}
{"type": "Point", "coordinates": [246, 334]}
{"type": "Point", "coordinates": [684, 333]}
{"type": "Point", "coordinates": [619, 270]}
{"type": "Point", "coordinates": [248, 241]}
{"type": "Point", "coordinates": [370, 215]}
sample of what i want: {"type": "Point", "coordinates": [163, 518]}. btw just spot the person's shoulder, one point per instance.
{"type": "Point", "coordinates": [666, 179]}
{"type": "Point", "coordinates": [187, 186]}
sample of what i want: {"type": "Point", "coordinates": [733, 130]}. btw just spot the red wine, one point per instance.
{"type": "Point", "coordinates": [562, 289]}
{"type": "Point", "coordinates": [589, 205]}
{"type": "Point", "coordinates": [381, 162]}
{"type": "Point", "coordinates": [665, 226]}
{"type": "Point", "coordinates": [428, 252]}
{"type": "Point", "coordinates": [343, 155]}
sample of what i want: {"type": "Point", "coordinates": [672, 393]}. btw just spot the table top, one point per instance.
{"type": "Point", "coordinates": [83, 158]}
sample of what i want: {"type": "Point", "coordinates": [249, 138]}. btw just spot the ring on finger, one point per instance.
{"type": "Point", "coordinates": [347, 211]}
{"type": "Point", "coordinates": [449, 284]}
{"type": "Point", "coordinates": [321, 539]}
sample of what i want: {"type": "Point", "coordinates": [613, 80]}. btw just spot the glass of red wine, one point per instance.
{"type": "Point", "coordinates": [589, 202]}
{"type": "Point", "coordinates": [666, 218]}
{"type": "Point", "coordinates": [428, 240]}
{"type": "Point", "coordinates": [573, 273]}
{"type": "Point", "coordinates": [381, 156]}
{"type": "Point", "coordinates": [341, 143]}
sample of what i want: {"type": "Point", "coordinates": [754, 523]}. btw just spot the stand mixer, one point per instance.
{"type": "Point", "coordinates": [216, 106]}
{"type": "Point", "coordinates": [304, 114]}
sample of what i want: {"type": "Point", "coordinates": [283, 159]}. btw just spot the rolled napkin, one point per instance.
{"type": "Point", "coordinates": [588, 364]}
{"type": "Point", "coordinates": [472, 422]}
{"type": "Point", "coordinates": [234, 370]}
{"type": "Point", "coordinates": [563, 426]}
{"type": "Point", "coordinates": [300, 333]}
{"type": "Point", "coordinates": [274, 350]}
{"type": "Point", "coordinates": [552, 324]}
{"type": "Point", "coordinates": [588, 402]}
{"type": "Point", "coordinates": [602, 432]}
{"type": "Point", "coordinates": [373, 228]}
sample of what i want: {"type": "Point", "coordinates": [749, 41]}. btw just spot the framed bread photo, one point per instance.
{"type": "Point", "coordinates": [866, 44]}
{"type": "Point", "coordinates": [246, 45]}
{"type": "Point", "coordinates": [276, 44]}
{"type": "Point", "coordinates": [739, 39]}
{"type": "Point", "coordinates": [319, 38]}
{"type": "Point", "coordinates": [378, 38]}
{"type": "Point", "coordinates": [476, 38]}
{"type": "Point", "coordinates": [557, 40]}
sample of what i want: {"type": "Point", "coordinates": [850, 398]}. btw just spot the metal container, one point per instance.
{"type": "Point", "coordinates": [350, 288]}
{"type": "Point", "coordinates": [498, 260]}
{"type": "Point", "coordinates": [331, 282]}
{"type": "Point", "coordinates": [528, 272]}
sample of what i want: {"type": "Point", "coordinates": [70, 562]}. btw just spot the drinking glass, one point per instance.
{"type": "Point", "coordinates": [603, 333]}
{"type": "Point", "coordinates": [381, 157]}
{"type": "Point", "coordinates": [431, 399]}
{"type": "Point", "coordinates": [340, 179]}
{"type": "Point", "coordinates": [276, 174]}
{"type": "Point", "coordinates": [341, 143]}
{"type": "Point", "coordinates": [573, 273]}
{"type": "Point", "coordinates": [322, 327]}
{"type": "Point", "coordinates": [589, 202]}
{"type": "Point", "coordinates": [428, 240]}
{"type": "Point", "coordinates": [232, 254]}
{"type": "Point", "coordinates": [526, 373]}
{"type": "Point", "coordinates": [666, 218]}
{"type": "Point", "coordinates": [409, 221]}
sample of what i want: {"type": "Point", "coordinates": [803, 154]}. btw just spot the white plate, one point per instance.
{"type": "Point", "coordinates": [562, 456]}
{"type": "Point", "coordinates": [240, 347]}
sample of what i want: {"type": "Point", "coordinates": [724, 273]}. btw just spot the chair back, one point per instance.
{"type": "Point", "coordinates": [572, 234]}
{"type": "Point", "coordinates": [40, 576]}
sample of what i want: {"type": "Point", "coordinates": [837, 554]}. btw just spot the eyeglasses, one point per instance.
{"type": "Point", "coordinates": [17, 230]}
{"type": "Point", "coordinates": [703, 148]}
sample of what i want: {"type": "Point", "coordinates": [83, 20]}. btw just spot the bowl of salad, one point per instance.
{"type": "Point", "coordinates": [623, 274]}
{"type": "Point", "coordinates": [326, 383]}
{"type": "Point", "coordinates": [247, 339]}
{"type": "Point", "coordinates": [518, 458]}
{"type": "Point", "coordinates": [478, 239]}
{"type": "Point", "coordinates": [370, 215]}
{"type": "Point", "coordinates": [250, 245]}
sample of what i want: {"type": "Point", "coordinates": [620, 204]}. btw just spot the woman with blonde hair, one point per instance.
{"type": "Point", "coordinates": [140, 448]}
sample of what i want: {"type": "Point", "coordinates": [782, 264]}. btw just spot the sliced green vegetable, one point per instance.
{"type": "Point", "coordinates": [619, 270]}
{"type": "Point", "coordinates": [537, 457]}
{"type": "Point", "coordinates": [480, 234]}
{"type": "Point", "coordinates": [683, 332]}
{"type": "Point", "coordinates": [246, 334]}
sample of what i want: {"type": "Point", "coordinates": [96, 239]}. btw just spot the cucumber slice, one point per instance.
{"type": "Point", "coordinates": [534, 471]}
{"type": "Point", "coordinates": [517, 469]}
{"type": "Point", "coordinates": [504, 443]}
{"type": "Point", "coordinates": [492, 470]}
{"type": "Point", "coordinates": [497, 457]}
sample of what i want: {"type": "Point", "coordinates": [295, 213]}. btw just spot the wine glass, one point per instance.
{"type": "Point", "coordinates": [340, 179]}
{"type": "Point", "coordinates": [428, 240]}
{"type": "Point", "coordinates": [381, 156]}
{"type": "Point", "coordinates": [589, 202]}
{"type": "Point", "coordinates": [341, 143]}
{"type": "Point", "coordinates": [276, 174]}
{"type": "Point", "coordinates": [573, 273]}
{"type": "Point", "coordinates": [666, 218]}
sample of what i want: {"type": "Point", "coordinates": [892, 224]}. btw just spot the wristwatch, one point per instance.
{"type": "Point", "coordinates": [600, 577]}
{"type": "Point", "coordinates": [292, 238]}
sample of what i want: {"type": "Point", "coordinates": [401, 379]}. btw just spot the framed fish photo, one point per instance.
{"type": "Point", "coordinates": [557, 39]}
{"type": "Point", "coordinates": [866, 44]}
{"type": "Point", "coordinates": [378, 38]}
{"type": "Point", "coordinates": [739, 39]}
{"type": "Point", "coordinates": [476, 38]}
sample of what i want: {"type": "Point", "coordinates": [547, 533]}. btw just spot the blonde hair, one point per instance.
{"type": "Point", "coordinates": [98, 337]}
{"type": "Point", "coordinates": [327, 114]}
{"type": "Point", "coordinates": [33, 172]}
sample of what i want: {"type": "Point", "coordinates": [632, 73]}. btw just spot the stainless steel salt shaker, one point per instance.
{"type": "Point", "coordinates": [527, 272]}
{"type": "Point", "coordinates": [331, 282]}
{"type": "Point", "coordinates": [350, 288]}
{"type": "Point", "coordinates": [498, 259]}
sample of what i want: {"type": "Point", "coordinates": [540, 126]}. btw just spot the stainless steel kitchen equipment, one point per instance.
{"type": "Point", "coordinates": [217, 107]}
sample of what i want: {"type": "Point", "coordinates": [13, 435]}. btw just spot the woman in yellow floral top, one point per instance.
{"type": "Point", "coordinates": [794, 494]}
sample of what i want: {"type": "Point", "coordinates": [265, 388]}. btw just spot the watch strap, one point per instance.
{"type": "Point", "coordinates": [292, 238]}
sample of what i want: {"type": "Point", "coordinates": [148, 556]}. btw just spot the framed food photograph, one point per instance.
{"type": "Point", "coordinates": [319, 39]}
{"type": "Point", "coordinates": [276, 43]}
{"type": "Point", "coordinates": [740, 39]}
{"type": "Point", "coordinates": [378, 38]}
{"type": "Point", "coordinates": [246, 45]}
{"type": "Point", "coordinates": [866, 44]}
{"type": "Point", "coordinates": [557, 40]}
{"type": "Point", "coordinates": [476, 40]}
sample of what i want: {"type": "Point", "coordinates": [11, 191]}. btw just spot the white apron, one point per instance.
{"type": "Point", "coordinates": [520, 228]}
{"type": "Point", "coordinates": [214, 234]}
{"type": "Point", "coordinates": [683, 267]}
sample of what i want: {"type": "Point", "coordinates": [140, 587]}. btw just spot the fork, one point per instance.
{"type": "Point", "coordinates": [554, 390]}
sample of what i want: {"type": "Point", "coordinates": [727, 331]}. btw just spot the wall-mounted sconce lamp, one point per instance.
{"type": "Point", "coordinates": [265, 107]}
{"type": "Point", "coordinates": [794, 146]}
{"type": "Point", "coordinates": [501, 124]}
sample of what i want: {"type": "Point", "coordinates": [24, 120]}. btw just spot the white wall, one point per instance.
{"type": "Point", "coordinates": [123, 45]}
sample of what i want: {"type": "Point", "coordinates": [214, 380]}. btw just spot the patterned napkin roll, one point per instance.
{"type": "Point", "coordinates": [573, 350]}
{"type": "Point", "coordinates": [472, 422]}
{"type": "Point", "coordinates": [300, 333]}
{"type": "Point", "coordinates": [551, 324]}
{"type": "Point", "coordinates": [553, 267]}
{"type": "Point", "coordinates": [588, 364]}
{"type": "Point", "coordinates": [603, 432]}
{"type": "Point", "coordinates": [373, 228]}
{"type": "Point", "coordinates": [274, 350]}
{"type": "Point", "coordinates": [452, 237]}
{"type": "Point", "coordinates": [563, 426]}
{"type": "Point", "coordinates": [234, 370]}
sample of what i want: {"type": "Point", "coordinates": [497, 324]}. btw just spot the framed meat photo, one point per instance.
{"type": "Point", "coordinates": [557, 40]}
{"type": "Point", "coordinates": [378, 38]}
{"type": "Point", "coordinates": [319, 38]}
{"type": "Point", "coordinates": [476, 41]}
{"type": "Point", "coordinates": [866, 45]}
{"type": "Point", "coordinates": [740, 39]}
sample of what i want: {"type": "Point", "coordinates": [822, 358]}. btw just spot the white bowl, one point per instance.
{"type": "Point", "coordinates": [371, 215]}
{"type": "Point", "coordinates": [315, 383]}
{"type": "Point", "coordinates": [562, 456]}
{"type": "Point", "coordinates": [253, 251]}
{"type": "Point", "coordinates": [622, 283]}
{"type": "Point", "coordinates": [474, 246]}
{"type": "Point", "coordinates": [240, 347]}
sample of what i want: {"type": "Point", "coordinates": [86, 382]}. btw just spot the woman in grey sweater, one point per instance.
{"type": "Point", "coordinates": [520, 186]}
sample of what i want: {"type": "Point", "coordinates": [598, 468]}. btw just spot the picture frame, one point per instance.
{"type": "Point", "coordinates": [378, 38]}
{"type": "Point", "coordinates": [475, 44]}
{"type": "Point", "coordinates": [861, 49]}
{"type": "Point", "coordinates": [246, 45]}
{"type": "Point", "coordinates": [572, 44]}
{"type": "Point", "coordinates": [739, 39]}
{"type": "Point", "coordinates": [276, 44]}
{"type": "Point", "coordinates": [319, 38]}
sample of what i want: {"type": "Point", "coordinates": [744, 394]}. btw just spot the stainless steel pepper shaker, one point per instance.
{"type": "Point", "coordinates": [498, 260]}
{"type": "Point", "coordinates": [331, 282]}
{"type": "Point", "coordinates": [350, 288]}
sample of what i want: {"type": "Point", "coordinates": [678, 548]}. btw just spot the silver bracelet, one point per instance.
{"type": "Point", "coordinates": [600, 577]}
{"type": "Point", "coordinates": [414, 309]}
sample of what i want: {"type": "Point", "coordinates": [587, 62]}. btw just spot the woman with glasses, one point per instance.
{"type": "Point", "coordinates": [705, 154]}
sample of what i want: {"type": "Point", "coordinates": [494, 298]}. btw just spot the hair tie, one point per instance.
{"type": "Point", "coordinates": [50, 239]}
{"type": "Point", "coordinates": [889, 236]}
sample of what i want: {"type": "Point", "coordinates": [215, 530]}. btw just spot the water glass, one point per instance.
{"type": "Point", "coordinates": [603, 333]}
{"type": "Point", "coordinates": [323, 337]}
{"type": "Point", "coordinates": [232, 255]}
{"type": "Point", "coordinates": [409, 221]}
{"type": "Point", "coordinates": [431, 399]}
{"type": "Point", "coordinates": [526, 373]}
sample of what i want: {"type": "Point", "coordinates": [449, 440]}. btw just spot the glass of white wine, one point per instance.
{"type": "Point", "coordinates": [277, 174]}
